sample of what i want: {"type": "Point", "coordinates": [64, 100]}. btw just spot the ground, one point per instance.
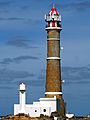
{"type": "Point", "coordinates": [26, 117]}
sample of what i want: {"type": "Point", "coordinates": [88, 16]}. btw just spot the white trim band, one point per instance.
{"type": "Point", "coordinates": [54, 39]}
{"type": "Point", "coordinates": [58, 28]}
{"type": "Point", "coordinates": [53, 58]}
{"type": "Point", "coordinates": [53, 93]}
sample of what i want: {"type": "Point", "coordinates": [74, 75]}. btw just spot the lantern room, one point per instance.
{"type": "Point", "coordinates": [53, 19]}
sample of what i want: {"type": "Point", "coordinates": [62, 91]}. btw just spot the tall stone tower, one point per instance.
{"type": "Point", "coordinates": [53, 71]}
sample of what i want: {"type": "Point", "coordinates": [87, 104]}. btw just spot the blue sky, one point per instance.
{"type": "Point", "coordinates": [23, 45]}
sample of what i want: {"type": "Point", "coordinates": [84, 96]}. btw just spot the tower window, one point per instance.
{"type": "Point", "coordinates": [44, 110]}
{"type": "Point", "coordinates": [35, 110]}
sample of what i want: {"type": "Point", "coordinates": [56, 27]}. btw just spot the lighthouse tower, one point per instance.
{"type": "Point", "coordinates": [22, 90]}
{"type": "Point", "coordinates": [53, 70]}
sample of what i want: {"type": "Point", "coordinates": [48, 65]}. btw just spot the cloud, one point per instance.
{"type": "Point", "coordinates": [1, 19]}
{"type": "Point", "coordinates": [4, 3]}
{"type": "Point", "coordinates": [33, 21]}
{"type": "Point", "coordinates": [12, 19]}
{"type": "Point", "coordinates": [77, 5]}
{"type": "Point", "coordinates": [6, 87]}
{"type": "Point", "coordinates": [19, 42]}
{"type": "Point", "coordinates": [6, 61]}
{"type": "Point", "coordinates": [8, 76]}
{"type": "Point", "coordinates": [31, 82]}
{"type": "Point", "coordinates": [15, 18]}
{"type": "Point", "coordinates": [83, 5]}
{"type": "Point", "coordinates": [17, 60]}
{"type": "Point", "coordinates": [76, 74]}
{"type": "Point", "coordinates": [25, 20]}
{"type": "Point", "coordinates": [25, 7]}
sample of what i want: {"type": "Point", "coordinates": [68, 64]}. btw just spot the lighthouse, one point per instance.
{"type": "Point", "coordinates": [53, 70]}
{"type": "Point", "coordinates": [22, 93]}
{"type": "Point", "coordinates": [53, 99]}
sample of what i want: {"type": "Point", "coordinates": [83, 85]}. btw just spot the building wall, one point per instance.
{"type": "Point", "coordinates": [16, 109]}
{"type": "Point", "coordinates": [45, 106]}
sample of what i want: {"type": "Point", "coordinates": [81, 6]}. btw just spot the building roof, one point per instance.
{"type": "Point", "coordinates": [53, 11]}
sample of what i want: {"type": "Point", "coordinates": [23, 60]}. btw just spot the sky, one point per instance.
{"type": "Point", "coordinates": [23, 50]}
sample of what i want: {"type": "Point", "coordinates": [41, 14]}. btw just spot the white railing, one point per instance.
{"type": "Point", "coordinates": [52, 17]}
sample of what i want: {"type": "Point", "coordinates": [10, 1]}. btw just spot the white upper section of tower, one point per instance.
{"type": "Point", "coordinates": [53, 15]}
{"type": "Point", "coordinates": [53, 20]}
{"type": "Point", "coordinates": [22, 87]}
{"type": "Point", "coordinates": [53, 11]}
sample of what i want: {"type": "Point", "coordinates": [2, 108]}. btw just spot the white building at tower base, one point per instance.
{"type": "Point", "coordinates": [44, 106]}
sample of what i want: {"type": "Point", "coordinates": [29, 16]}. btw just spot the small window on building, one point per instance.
{"type": "Point", "coordinates": [35, 110]}
{"type": "Point", "coordinates": [44, 110]}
